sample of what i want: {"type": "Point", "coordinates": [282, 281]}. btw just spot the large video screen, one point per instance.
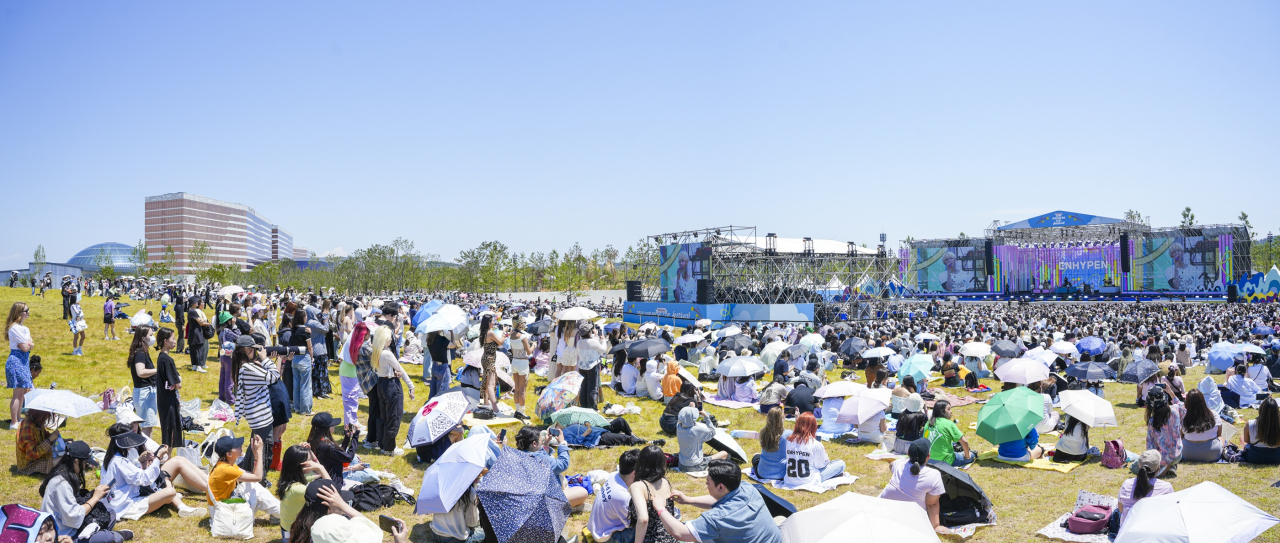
{"type": "Point", "coordinates": [1170, 262]}
{"type": "Point", "coordinates": [681, 268]}
{"type": "Point", "coordinates": [958, 267]}
{"type": "Point", "coordinates": [1049, 267]}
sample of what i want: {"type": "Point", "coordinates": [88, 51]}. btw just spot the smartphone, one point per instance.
{"type": "Point", "coordinates": [502, 436]}
{"type": "Point", "coordinates": [553, 431]}
{"type": "Point", "coordinates": [387, 523]}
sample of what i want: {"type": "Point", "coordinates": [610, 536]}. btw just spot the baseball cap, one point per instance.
{"type": "Point", "coordinates": [245, 341]}
{"type": "Point", "coordinates": [80, 450]}
{"type": "Point", "coordinates": [323, 419]}
{"type": "Point", "coordinates": [225, 444]}
{"type": "Point", "coordinates": [313, 491]}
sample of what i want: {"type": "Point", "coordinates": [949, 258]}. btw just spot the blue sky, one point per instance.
{"type": "Point", "coordinates": [541, 124]}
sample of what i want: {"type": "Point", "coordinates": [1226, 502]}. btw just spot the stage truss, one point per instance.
{"type": "Point", "coordinates": [1100, 233]}
{"type": "Point", "coordinates": [745, 271]}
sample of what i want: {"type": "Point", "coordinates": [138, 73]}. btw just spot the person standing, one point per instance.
{"type": "Point", "coordinates": [180, 320]}
{"type": "Point", "coordinates": [300, 337]}
{"type": "Point", "coordinates": [520, 350]}
{"type": "Point", "coordinates": [17, 368]}
{"type": "Point", "coordinates": [590, 350]}
{"type": "Point", "coordinates": [109, 319]}
{"type": "Point", "coordinates": [254, 376]}
{"type": "Point", "coordinates": [390, 393]}
{"type": "Point", "coordinates": [79, 327]}
{"type": "Point", "coordinates": [199, 344]}
{"type": "Point", "coordinates": [491, 339]}
{"type": "Point", "coordinates": [318, 323]}
{"type": "Point", "coordinates": [168, 383]}
{"type": "Point", "coordinates": [143, 372]}
{"type": "Point", "coordinates": [227, 336]}
{"type": "Point", "coordinates": [68, 292]}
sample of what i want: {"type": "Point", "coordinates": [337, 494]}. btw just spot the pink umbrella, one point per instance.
{"type": "Point", "coordinates": [472, 359]}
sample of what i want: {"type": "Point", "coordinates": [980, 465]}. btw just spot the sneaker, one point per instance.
{"type": "Point", "coordinates": [126, 535]}
{"type": "Point", "coordinates": [396, 452]}
{"type": "Point", "coordinates": [370, 446]}
{"type": "Point", "coordinates": [201, 369]}
{"type": "Point", "coordinates": [659, 442]}
{"type": "Point", "coordinates": [193, 512]}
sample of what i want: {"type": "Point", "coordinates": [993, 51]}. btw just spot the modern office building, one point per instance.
{"type": "Point", "coordinates": [301, 254]}
{"type": "Point", "coordinates": [281, 244]}
{"type": "Point", "coordinates": [237, 235]}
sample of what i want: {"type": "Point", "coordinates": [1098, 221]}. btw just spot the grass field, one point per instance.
{"type": "Point", "coordinates": [1026, 499]}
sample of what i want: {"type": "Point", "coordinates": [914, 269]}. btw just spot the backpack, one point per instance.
{"type": "Point", "coordinates": [1090, 519]}
{"type": "Point", "coordinates": [373, 496]}
{"type": "Point", "coordinates": [1113, 454]}
{"type": "Point", "coordinates": [961, 511]}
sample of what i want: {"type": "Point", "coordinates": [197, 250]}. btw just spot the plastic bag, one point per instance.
{"type": "Point", "coordinates": [191, 408]}
{"type": "Point", "coordinates": [221, 411]}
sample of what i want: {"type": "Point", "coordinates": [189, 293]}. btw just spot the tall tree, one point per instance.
{"type": "Point", "coordinates": [199, 260]}
{"type": "Point", "coordinates": [38, 262]}
{"type": "Point", "coordinates": [163, 268]}
{"type": "Point", "coordinates": [1134, 216]}
{"type": "Point", "coordinates": [1188, 218]}
{"type": "Point", "coordinates": [138, 257]}
{"type": "Point", "coordinates": [106, 266]}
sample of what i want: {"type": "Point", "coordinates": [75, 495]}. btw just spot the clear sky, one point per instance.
{"type": "Point", "coordinates": [544, 123]}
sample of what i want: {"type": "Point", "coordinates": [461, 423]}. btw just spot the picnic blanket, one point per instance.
{"type": "Point", "coordinates": [730, 404]}
{"type": "Point", "coordinates": [882, 454]}
{"type": "Point", "coordinates": [818, 488]}
{"type": "Point", "coordinates": [1039, 463]}
{"type": "Point", "coordinates": [967, 531]}
{"type": "Point", "coordinates": [496, 421]}
{"type": "Point", "coordinates": [955, 401]}
{"type": "Point", "coordinates": [1055, 530]}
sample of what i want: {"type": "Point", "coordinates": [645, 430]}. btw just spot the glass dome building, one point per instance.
{"type": "Point", "coordinates": [117, 252]}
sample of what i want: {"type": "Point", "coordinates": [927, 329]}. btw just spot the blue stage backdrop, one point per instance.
{"type": "Point", "coordinates": [686, 314]}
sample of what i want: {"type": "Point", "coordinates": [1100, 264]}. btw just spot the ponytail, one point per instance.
{"type": "Point", "coordinates": [1143, 485]}
{"type": "Point", "coordinates": [915, 467]}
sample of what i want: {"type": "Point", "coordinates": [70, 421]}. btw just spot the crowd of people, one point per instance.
{"type": "Point", "coordinates": [276, 350]}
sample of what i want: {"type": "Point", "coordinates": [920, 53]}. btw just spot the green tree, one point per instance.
{"type": "Point", "coordinates": [38, 262]}
{"type": "Point", "coordinates": [164, 267]}
{"type": "Point", "coordinates": [1134, 216]}
{"type": "Point", "coordinates": [106, 266]}
{"type": "Point", "coordinates": [1188, 218]}
{"type": "Point", "coordinates": [139, 257]}
{"type": "Point", "coordinates": [199, 260]}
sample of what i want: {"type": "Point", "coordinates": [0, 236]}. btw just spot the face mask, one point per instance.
{"type": "Point", "coordinates": [151, 341]}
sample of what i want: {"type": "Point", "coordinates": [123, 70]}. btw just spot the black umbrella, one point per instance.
{"type": "Point", "coordinates": [736, 342]}
{"type": "Point", "coordinates": [1091, 371]}
{"type": "Point", "coordinates": [797, 350]}
{"type": "Point", "coordinates": [648, 348]}
{"type": "Point", "coordinates": [778, 507]}
{"type": "Point", "coordinates": [540, 327]}
{"type": "Point", "coordinates": [958, 484]}
{"type": "Point", "coordinates": [771, 333]}
{"type": "Point", "coordinates": [853, 346]}
{"type": "Point", "coordinates": [1006, 349]}
{"type": "Point", "coordinates": [620, 347]}
{"type": "Point", "coordinates": [842, 326]}
{"type": "Point", "coordinates": [1138, 371]}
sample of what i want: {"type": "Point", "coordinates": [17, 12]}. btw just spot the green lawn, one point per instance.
{"type": "Point", "coordinates": [1026, 499]}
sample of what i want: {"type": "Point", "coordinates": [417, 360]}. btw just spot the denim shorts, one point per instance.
{"type": "Point", "coordinates": [144, 404]}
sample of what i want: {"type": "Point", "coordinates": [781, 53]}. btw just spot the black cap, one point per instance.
{"type": "Point", "coordinates": [313, 490]}
{"type": "Point", "coordinates": [259, 339]}
{"type": "Point", "coordinates": [323, 419]}
{"type": "Point", "coordinates": [80, 450]}
{"type": "Point", "coordinates": [128, 440]}
{"type": "Point", "coordinates": [225, 444]}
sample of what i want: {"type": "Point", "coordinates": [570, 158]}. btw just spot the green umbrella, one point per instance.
{"type": "Point", "coordinates": [578, 415]}
{"type": "Point", "coordinates": [1010, 415]}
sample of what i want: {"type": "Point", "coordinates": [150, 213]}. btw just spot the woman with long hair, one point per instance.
{"type": "Point", "coordinates": [35, 444]}
{"type": "Point", "coordinates": [1073, 446]}
{"type": "Point", "coordinates": [1262, 435]}
{"type": "Point", "coordinates": [1145, 485]}
{"type": "Point", "coordinates": [332, 456]}
{"type": "Point", "coordinates": [650, 484]}
{"type": "Point", "coordinates": [1164, 429]}
{"type": "Point", "coordinates": [389, 390]}
{"type": "Point", "coordinates": [298, 469]}
{"type": "Point", "coordinates": [63, 491]}
{"type": "Point", "coordinates": [771, 463]}
{"type": "Point", "coordinates": [909, 481]}
{"type": "Point", "coordinates": [143, 372]}
{"type": "Point", "coordinates": [256, 374]}
{"type": "Point", "coordinates": [168, 383]}
{"type": "Point", "coordinates": [1201, 430]}
{"type": "Point", "coordinates": [534, 443]}
{"type": "Point", "coordinates": [17, 368]}
{"type": "Point", "coordinates": [807, 461]}
{"type": "Point", "coordinates": [127, 475]}
{"type": "Point", "coordinates": [566, 348]}
{"type": "Point", "coordinates": [943, 433]}
{"type": "Point", "coordinates": [490, 341]}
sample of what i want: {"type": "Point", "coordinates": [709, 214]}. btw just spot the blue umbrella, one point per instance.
{"type": "Point", "coordinates": [1091, 345]}
{"type": "Point", "coordinates": [1222, 356]}
{"type": "Point", "coordinates": [1263, 330]}
{"type": "Point", "coordinates": [609, 327]}
{"type": "Point", "coordinates": [523, 500]}
{"type": "Point", "coordinates": [426, 311]}
{"type": "Point", "coordinates": [1138, 371]}
{"type": "Point", "coordinates": [918, 366]}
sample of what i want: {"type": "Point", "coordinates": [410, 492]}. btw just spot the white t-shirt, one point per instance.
{"type": "Point", "coordinates": [869, 430]}
{"type": "Point", "coordinates": [610, 512]}
{"type": "Point", "coordinates": [1259, 373]}
{"type": "Point", "coordinates": [629, 376]}
{"type": "Point", "coordinates": [804, 463]}
{"type": "Point", "coordinates": [905, 487]}
{"type": "Point", "coordinates": [18, 334]}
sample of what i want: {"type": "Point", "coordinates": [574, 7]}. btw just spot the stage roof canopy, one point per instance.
{"type": "Point", "coordinates": [1059, 219]}
{"type": "Point", "coordinates": [796, 246]}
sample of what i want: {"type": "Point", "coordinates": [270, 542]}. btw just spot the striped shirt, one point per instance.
{"type": "Point", "coordinates": [253, 393]}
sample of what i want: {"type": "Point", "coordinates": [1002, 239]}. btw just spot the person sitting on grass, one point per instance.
{"type": "Point", "coordinates": [910, 424]}
{"type": "Point", "coordinates": [36, 443]}
{"type": "Point", "coordinates": [126, 475]}
{"type": "Point", "coordinates": [1201, 430]}
{"type": "Point", "coordinates": [327, 517]}
{"type": "Point", "coordinates": [63, 491]}
{"type": "Point", "coordinates": [909, 481]}
{"type": "Point", "coordinates": [734, 511]}
{"type": "Point", "coordinates": [1144, 485]}
{"type": "Point", "coordinates": [943, 434]}
{"type": "Point", "coordinates": [298, 468]}
{"type": "Point", "coordinates": [649, 486]}
{"type": "Point", "coordinates": [807, 461]}
{"type": "Point", "coordinates": [529, 441]}
{"type": "Point", "coordinates": [1021, 450]}
{"type": "Point", "coordinates": [228, 481]}
{"type": "Point", "coordinates": [1073, 446]}
{"type": "Point", "coordinates": [1164, 429]}
{"type": "Point", "coordinates": [771, 463]}
{"type": "Point", "coordinates": [773, 394]}
{"type": "Point", "coordinates": [1262, 435]}
{"type": "Point", "coordinates": [610, 518]}
{"type": "Point", "coordinates": [691, 434]}
{"type": "Point", "coordinates": [688, 396]}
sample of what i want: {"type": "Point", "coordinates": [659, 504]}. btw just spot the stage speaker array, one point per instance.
{"type": "Point", "coordinates": [1233, 295]}
{"type": "Point", "coordinates": [991, 257]}
{"type": "Point", "coordinates": [1124, 253]}
{"type": "Point", "coordinates": [634, 291]}
{"type": "Point", "coordinates": [704, 291]}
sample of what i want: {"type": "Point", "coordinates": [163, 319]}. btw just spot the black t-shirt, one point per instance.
{"type": "Point", "coordinates": [197, 337]}
{"type": "Point", "coordinates": [299, 336]}
{"type": "Point", "coordinates": [144, 358]}
{"type": "Point", "coordinates": [801, 398]}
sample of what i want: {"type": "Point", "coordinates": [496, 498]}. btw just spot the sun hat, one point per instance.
{"type": "Point", "coordinates": [126, 416]}
{"type": "Point", "coordinates": [914, 403]}
{"type": "Point", "coordinates": [128, 440]}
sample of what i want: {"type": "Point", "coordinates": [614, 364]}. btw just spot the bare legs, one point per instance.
{"type": "Point", "coordinates": [521, 382]}
{"type": "Point", "coordinates": [15, 406]}
{"type": "Point", "coordinates": [194, 476]}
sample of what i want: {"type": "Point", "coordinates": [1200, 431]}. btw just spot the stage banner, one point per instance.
{"type": "Point", "coordinates": [1260, 288]}
{"type": "Point", "coordinates": [1046, 267]}
{"type": "Point", "coordinates": [1182, 261]}
{"type": "Point", "coordinates": [677, 314]}
{"type": "Point", "coordinates": [681, 266]}
{"type": "Point", "coordinates": [954, 266]}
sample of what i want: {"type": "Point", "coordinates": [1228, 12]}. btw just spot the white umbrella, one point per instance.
{"type": "Point", "coordinates": [1251, 348]}
{"type": "Point", "coordinates": [688, 338]}
{"type": "Point", "coordinates": [141, 318]}
{"type": "Point", "coordinates": [439, 415]}
{"type": "Point", "coordinates": [1205, 512]}
{"type": "Point", "coordinates": [1064, 348]}
{"type": "Point", "coordinates": [740, 366]}
{"type": "Point", "coordinates": [728, 331]}
{"type": "Point", "coordinates": [864, 407]}
{"type": "Point", "coordinates": [1045, 357]}
{"type": "Point", "coordinates": [1087, 407]}
{"type": "Point", "coordinates": [769, 354]}
{"type": "Point", "coordinates": [862, 518]}
{"type": "Point", "coordinates": [647, 326]}
{"type": "Point", "coordinates": [1023, 371]}
{"type": "Point", "coordinates": [976, 349]}
{"type": "Point", "coordinates": [925, 336]}
{"type": "Point", "coordinates": [1032, 353]}
{"type": "Point", "coordinates": [449, 318]}
{"type": "Point", "coordinates": [62, 402]}
{"type": "Point", "coordinates": [702, 322]}
{"type": "Point", "coordinates": [452, 474]}
{"type": "Point", "coordinates": [576, 314]}
{"type": "Point", "coordinates": [840, 389]}
{"type": "Point", "coordinates": [689, 377]}
{"type": "Point", "coordinates": [229, 290]}
{"type": "Point", "coordinates": [813, 341]}
{"type": "Point", "coordinates": [879, 352]}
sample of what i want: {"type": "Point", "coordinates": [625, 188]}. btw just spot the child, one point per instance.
{"type": "Point", "coordinates": [36, 367]}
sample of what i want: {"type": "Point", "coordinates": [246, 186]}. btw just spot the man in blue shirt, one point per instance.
{"type": "Point", "coordinates": [735, 513]}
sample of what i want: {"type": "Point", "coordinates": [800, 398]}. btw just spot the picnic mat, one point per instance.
{"type": "Point", "coordinates": [1055, 530]}
{"type": "Point", "coordinates": [1039, 463]}
{"type": "Point", "coordinates": [881, 454]}
{"type": "Point", "coordinates": [819, 488]}
{"type": "Point", "coordinates": [730, 404]}
{"type": "Point", "coordinates": [496, 421]}
{"type": "Point", "coordinates": [955, 401]}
